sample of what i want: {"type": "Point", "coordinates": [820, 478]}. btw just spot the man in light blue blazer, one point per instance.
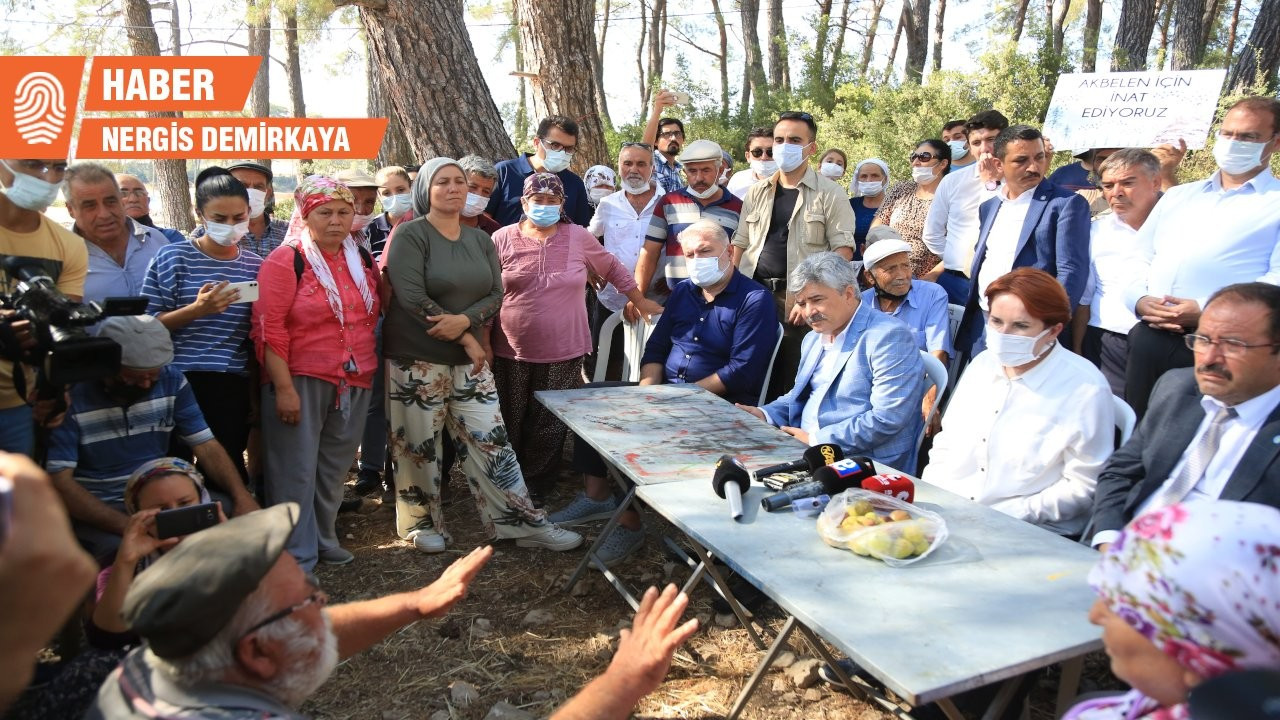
{"type": "Point", "coordinates": [1029, 223]}
{"type": "Point", "coordinates": [861, 379]}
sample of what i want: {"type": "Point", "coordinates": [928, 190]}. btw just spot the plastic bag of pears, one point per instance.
{"type": "Point", "coordinates": [882, 527]}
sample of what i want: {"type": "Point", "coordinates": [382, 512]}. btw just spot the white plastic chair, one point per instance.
{"type": "Point", "coordinates": [1126, 419]}
{"type": "Point", "coordinates": [937, 374]}
{"type": "Point", "coordinates": [605, 346]}
{"type": "Point", "coordinates": [955, 313]}
{"type": "Point", "coordinates": [636, 336]}
{"type": "Point", "coordinates": [768, 374]}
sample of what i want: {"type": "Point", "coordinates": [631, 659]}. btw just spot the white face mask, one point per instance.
{"type": "Point", "coordinates": [959, 148]}
{"type": "Point", "coordinates": [596, 194]}
{"type": "Point", "coordinates": [1237, 156]}
{"type": "Point", "coordinates": [764, 168]}
{"type": "Point", "coordinates": [724, 177]}
{"type": "Point", "coordinates": [475, 205]}
{"type": "Point", "coordinates": [30, 193]}
{"type": "Point", "coordinates": [397, 204]}
{"type": "Point", "coordinates": [1015, 350]}
{"type": "Point", "coordinates": [257, 202]}
{"type": "Point", "coordinates": [360, 222]}
{"type": "Point", "coordinates": [225, 235]}
{"type": "Point", "coordinates": [831, 170]}
{"type": "Point", "coordinates": [870, 189]}
{"type": "Point", "coordinates": [705, 271]}
{"type": "Point", "coordinates": [922, 175]}
{"type": "Point", "coordinates": [638, 186]}
{"type": "Point", "coordinates": [788, 156]}
{"type": "Point", "coordinates": [555, 160]}
{"type": "Point", "coordinates": [711, 190]}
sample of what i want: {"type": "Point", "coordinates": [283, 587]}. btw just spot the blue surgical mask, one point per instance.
{"type": "Point", "coordinates": [397, 204]}
{"type": "Point", "coordinates": [1015, 350]}
{"type": "Point", "coordinates": [257, 202]}
{"type": "Point", "coordinates": [555, 160]}
{"type": "Point", "coordinates": [705, 271]}
{"type": "Point", "coordinates": [959, 148]}
{"type": "Point", "coordinates": [224, 234]}
{"type": "Point", "coordinates": [788, 156]}
{"type": "Point", "coordinates": [1237, 156]}
{"type": "Point", "coordinates": [475, 205]}
{"type": "Point", "coordinates": [30, 193]}
{"type": "Point", "coordinates": [543, 215]}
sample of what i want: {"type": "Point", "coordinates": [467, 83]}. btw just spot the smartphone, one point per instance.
{"type": "Point", "coordinates": [185, 520]}
{"type": "Point", "coordinates": [6, 508]}
{"type": "Point", "coordinates": [248, 290]}
{"type": "Point", "coordinates": [682, 98]}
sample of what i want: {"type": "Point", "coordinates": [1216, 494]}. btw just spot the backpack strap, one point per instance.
{"type": "Point", "coordinates": [298, 265]}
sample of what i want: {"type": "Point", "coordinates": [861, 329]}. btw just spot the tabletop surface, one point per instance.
{"type": "Point", "coordinates": [664, 433]}
{"type": "Point", "coordinates": [999, 598]}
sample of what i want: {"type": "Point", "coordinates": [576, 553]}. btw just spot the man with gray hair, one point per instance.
{"type": "Point", "coordinates": [235, 630]}
{"type": "Point", "coordinates": [120, 248]}
{"type": "Point", "coordinates": [861, 379]}
{"type": "Point", "coordinates": [1131, 181]}
{"type": "Point", "coordinates": [137, 205]}
{"type": "Point", "coordinates": [718, 331]}
{"type": "Point", "coordinates": [482, 177]}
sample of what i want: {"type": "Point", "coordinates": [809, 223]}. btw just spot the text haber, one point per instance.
{"type": "Point", "coordinates": [155, 84]}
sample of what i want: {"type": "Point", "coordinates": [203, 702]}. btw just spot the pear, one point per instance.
{"type": "Point", "coordinates": [901, 549]}
{"type": "Point", "coordinates": [898, 515]}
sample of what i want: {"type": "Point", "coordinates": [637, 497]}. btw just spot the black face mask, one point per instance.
{"type": "Point", "coordinates": [126, 394]}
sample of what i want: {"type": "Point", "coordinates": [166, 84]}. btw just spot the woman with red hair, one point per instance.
{"type": "Point", "coordinates": [1031, 423]}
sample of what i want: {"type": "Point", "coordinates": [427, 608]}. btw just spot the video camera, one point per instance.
{"type": "Point", "coordinates": [64, 351]}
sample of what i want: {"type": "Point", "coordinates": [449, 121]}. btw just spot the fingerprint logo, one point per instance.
{"type": "Point", "coordinates": [39, 108]}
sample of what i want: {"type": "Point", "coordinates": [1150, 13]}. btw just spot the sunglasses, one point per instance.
{"type": "Point", "coordinates": [646, 146]}
{"type": "Point", "coordinates": [757, 152]}
{"type": "Point", "coordinates": [793, 115]}
{"type": "Point", "coordinates": [922, 156]}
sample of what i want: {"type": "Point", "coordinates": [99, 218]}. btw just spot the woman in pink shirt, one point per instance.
{"type": "Point", "coordinates": [313, 326]}
{"type": "Point", "coordinates": [541, 333]}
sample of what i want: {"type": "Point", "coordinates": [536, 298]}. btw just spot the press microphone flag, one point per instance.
{"type": "Point", "coordinates": [893, 485]}
{"type": "Point", "coordinates": [827, 480]}
{"type": "Point", "coordinates": [730, 480]}
{"type": "Point", "coordinates": [814, 458]}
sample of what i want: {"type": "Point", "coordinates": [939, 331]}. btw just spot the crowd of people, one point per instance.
{"type": "Point", "coordinates": [414, 336]}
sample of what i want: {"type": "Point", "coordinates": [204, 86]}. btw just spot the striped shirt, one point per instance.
{"type": "Point", "coordinates": [214, 343]}
{"type": "Point", "coordinates": [677, 211]}
{"type": "Point", "coordinates": [103, 442]}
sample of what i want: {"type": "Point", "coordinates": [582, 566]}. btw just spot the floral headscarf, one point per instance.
{"type": "Point", "coordinates": [543, 183]}
{"type": "Point", "coordinates": [312, 192]}
{"type": "Point", "coordinates": [160, 467]}
{"type": "Point", "coordinates": [599, 175]}
{"type": "Point", "coordinates": [1201, 581]}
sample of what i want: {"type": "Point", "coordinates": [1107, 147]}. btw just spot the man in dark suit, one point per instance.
{"type": "Point", "coordinates": [1212, 431]}
{"type": "Point", "coordinates": [1029, 223]}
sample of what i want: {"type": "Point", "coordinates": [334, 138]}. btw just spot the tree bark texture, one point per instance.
{"type": "Point", "coordinates": [559, 47]}
{"type": "Point", "coordinates": [1259, 59]}
{"type": "Point", "coordinates": [602, 102]}
{"type": "Point", "coordinates": [904, 19]}
{"type": "Point", "coordinates": [1209, 19]}
{"type": "Point", "coordinates": [657, 46]}
{"type": "Point", "coordinates": [1188, 29]}
{"type": "Point", "coordinates": [259, 22]}
{"type": "Point", "coordinates": [939, 13]}
{"type": "Point", "coordinates": [779, 59]}
{"type": "Point", "coordinates": [293, 63]}
{"type": "Point", "coordinates": [395, 149]}
{"type": "Point", "coordinates": [815, 61]}
{"type": "Point", "coordinates": [1133, 36]}
{"type": "Point", "coordinates": [1231, 33]}
{"type": "Point", "coordinates": [873, 24]}
{"type": "Point", "coordinates": [441, 99]}
{"type": "Point", "coordinates": [1164, 10]}
{"type": "Point", "coordinates": [1020, 19]}
{"type": "Point", "coordinates": [640, 68]}
{"type": "Point", "coordinates": [837, 53]}
{"type": "Point", "coordinates": [917, 34]}
{"type": "Point", "coordinates": [170, 180]}
{"type": "Point", "coordinates": [175, 29]}
{"type": "Point", "coordinates": [723, 34]}
{"type": "Point", "coordinates": [754, 82]}
{"type": "Point", "coordinates": [1057, 22]}
{"type": "Point", "coordinates": [1092, 28]}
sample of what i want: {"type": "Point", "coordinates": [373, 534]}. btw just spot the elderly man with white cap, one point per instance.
{"type": "Point", "coordinates": [920, 304]}
{"type": "Point", "coordinates": [116, 424]}
{"type": "Point", "coordinates": [235, 630]}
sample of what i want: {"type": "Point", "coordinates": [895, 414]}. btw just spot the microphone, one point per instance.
{"type": "Point", "coordinates": [814, 458]}
{"type": "Point", "coordinates": [827, 480]}
{"type": "Point", "coordinates": [893, 485]}
{"type": "Point", "coordinates": [730, 480]}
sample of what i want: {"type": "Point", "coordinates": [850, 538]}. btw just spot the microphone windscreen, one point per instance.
{"type": "Point", "coordinates": [822, 454]}
{"type": "Point", "coordinates": [730, 468]}
{"type": "Point", "coordinates": [893, 485]}
{"type": "Point", "coordinates": [844, 474]}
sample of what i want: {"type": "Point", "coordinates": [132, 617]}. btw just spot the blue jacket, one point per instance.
{"type": "Point", "coordinates": [1054, 238]}
{"type": "Point", "coordinates": [871, 406]}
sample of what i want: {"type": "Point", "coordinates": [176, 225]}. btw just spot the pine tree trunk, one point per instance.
{"type": "Point", "coordinates": [559, 43]}
{"type": "Point", "coordinates": [1188, 28]}
{"type": "Point", "coordinates": [1020, 19]}
{"type": "Point", "coordinates": [939, 12]}
{"type": "Point", "coordinates": [1092, 28]}
{"type": "Point", "coordinates": [1207, 22]}
{"type": "Point", "coordinates": [1058, 23]}
{"type": "Point", "coordinates": [602, 102]}
{"type": "Point", "coordinates": [395, 148]}
{"type": "Point", "coordinates": [1231, 33]}
{"type": "Point", "coordinates": [175, 30]}
{"type": "Point", "coordinates": [259, 21]}
{"type": "Point", "coordinates": [815, 61]}
{"type": "Point", "coordinates": [1137, 21]}
{"type": "Point", "coordinates": [867, 46]}
{"type": "Point", "coordinates": [1165, 11]}
{"type": "Point", "coordinates": [170, 181]}
{"type": "Point", "coordinates": [754, 82]}
{"type": "Point", "coordinates": [904, 19]}
{"type": "Point", "coordinates": [440, 96]}
{"type": "Point", "coordinates": [1259, 59]}
{"type": "Point", "coordinates": [724, 60]}
{"type": "Point", "coordinates": [779, 62]}
{"type": "Point", "coordinates": [917, 33]}
{"type": "Point", "coordinates": [657, 45]}
{"type": "Point", "coordinates": [292, 61]}
{"type": "Point", "coordinates": [837, 53]}
{"type": "Point", "coordinates": [640, 70]}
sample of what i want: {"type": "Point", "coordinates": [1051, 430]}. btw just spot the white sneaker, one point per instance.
{"type": "Point", "coordinates": [427, 541]}
{"type": "Point", "coordinates": [551, 537]}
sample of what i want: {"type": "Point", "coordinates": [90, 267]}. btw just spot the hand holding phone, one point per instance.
{"type": "Point", "coordinates": [248, 291]}
{"type": "Point", "coordinates": [185, 520]}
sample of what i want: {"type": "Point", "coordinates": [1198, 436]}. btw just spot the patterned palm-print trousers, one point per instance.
{"type": "Point", "coordinates": [423, 400]}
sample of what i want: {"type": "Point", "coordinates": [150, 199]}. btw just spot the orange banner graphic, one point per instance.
{"type": "Point", "coordinates": [188, 82]}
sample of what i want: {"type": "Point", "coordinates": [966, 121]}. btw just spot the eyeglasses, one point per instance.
{"type": "Point", "coordinates": [555, 146]}
{"type": "Point", "coordinates": [793, 115]}
{"type": "Point", "coordinates": [757, 152]}
{"type": "Point", "coordinates": [646, 146]}
{"type": "Point", "coordinates": [921, 156]}
{"type": "Point", "coordinates": [318, 597]}
{"type": "Point", "coordinates": [1230, 347]}
{"type": "Point", "coordinates": [135, 192]}
{"type": "Point", "coordinates": [43, 170]}
{"type": "Point", "coordinates": [672, 134]}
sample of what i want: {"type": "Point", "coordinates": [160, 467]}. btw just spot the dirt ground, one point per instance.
{"type": "Point", "coordinates": [487, 643]}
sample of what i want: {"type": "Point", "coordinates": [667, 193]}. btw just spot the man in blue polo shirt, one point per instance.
{"type": "Point", "coordinates": [114, 425]}
{"type": "Point", "coordinates": [718, 331]}
{"type": "Point", "coordinates": [554, 147]}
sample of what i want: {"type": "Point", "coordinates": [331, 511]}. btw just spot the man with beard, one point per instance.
{"type": "Point", "coordinates": [1212, 431]}
{"type": "Point", "coordinates": [120, 248]}
{"type": "Point", "coordinates": [114, 425]}
{"type": "Point", "coordinates": [1029, 223]}
{"type": "Point", "coordinates": [137, 205]}
{"type": "Point", "coordinates": [861, 379]}
{"type": "Point", "coordinates": [236, 630]}
{"type": "Point", "coordinates": [666, 135]}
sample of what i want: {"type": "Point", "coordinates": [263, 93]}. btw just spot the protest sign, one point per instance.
{"type": "Point", "coordinates": [1133, 109]}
